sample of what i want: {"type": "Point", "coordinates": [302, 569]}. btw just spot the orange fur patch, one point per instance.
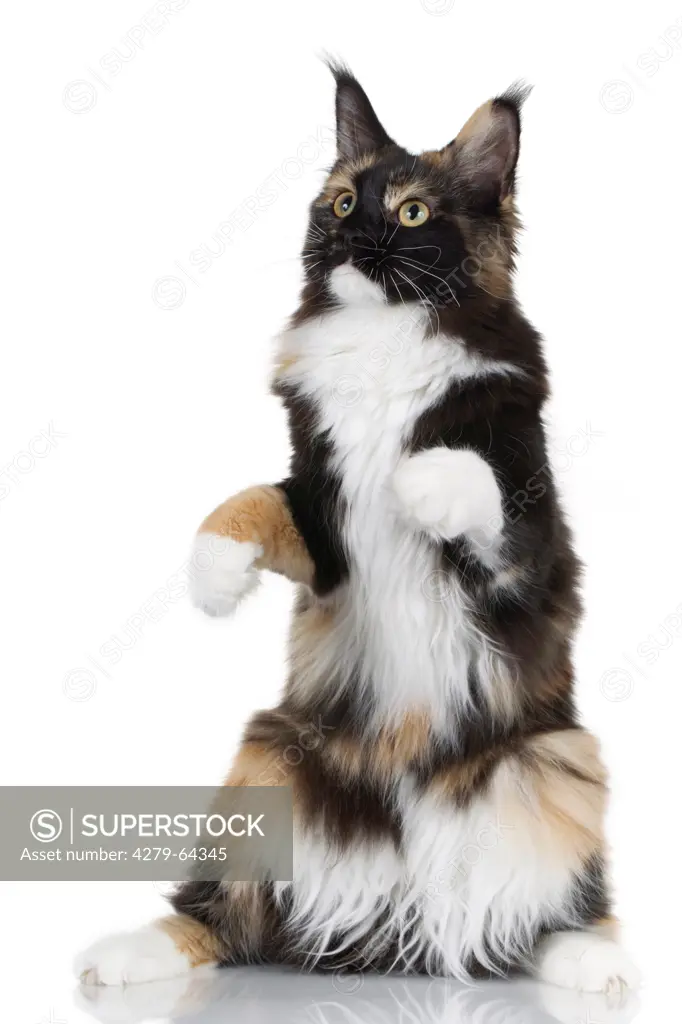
{"type": "Point", "coordinates": [550, 791]}
{"type": "Point", "coordinates": [258, 765]}
{"type": "Point", "coordinates": [194, 939]}
{"type": "Point", "coordinates": [477, 124]}
{"type": "Point", "coordinates": [557, 791]}
{"type": "Point", "coordinates": [262, 515]}
{"type": "Point", "coordinates": [385, 756]}
{"type": "Point", "coordinates": [399, 192]}
{"type": "Point", "coordinates": [342, 178]}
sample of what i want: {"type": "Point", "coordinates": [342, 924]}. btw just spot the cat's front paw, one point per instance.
{"type": "Point", "coordinates": [449, 493]}
{"type": "Point", "coordinates": [223, 572]}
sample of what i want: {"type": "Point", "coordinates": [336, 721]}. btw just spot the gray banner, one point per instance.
{"type": "Point", "coordinates": [146, 833]}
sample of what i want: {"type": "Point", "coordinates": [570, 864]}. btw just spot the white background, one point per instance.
{"type": "Point", "coordinates": [155, 384]}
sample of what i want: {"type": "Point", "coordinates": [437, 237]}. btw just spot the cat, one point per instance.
{"type": "Point", "coordinates": [449, 817]}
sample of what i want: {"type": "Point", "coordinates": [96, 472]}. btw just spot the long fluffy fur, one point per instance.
{"type": "Point", "coordinates": [448, 804]}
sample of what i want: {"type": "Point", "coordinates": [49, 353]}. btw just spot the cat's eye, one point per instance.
{"type": "Point", "coordinates": [413, 213]}
{"type": "Point", "coordinates": [344, 204]}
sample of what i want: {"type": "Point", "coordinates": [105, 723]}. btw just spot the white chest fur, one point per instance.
{"type": "Point", "coordinates": [404, 625]}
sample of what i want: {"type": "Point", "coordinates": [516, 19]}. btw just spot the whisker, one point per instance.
{"type": "Point", "coordinates": [393, 235]}
{"type": "Point", "coordinates": [409, 248]}
{"type": "Point", "coordinates": [361, 232]}
{"type": "Point", "coordinates": [420, 295]}
{"type": "Point", "coordinates": [424, 271]}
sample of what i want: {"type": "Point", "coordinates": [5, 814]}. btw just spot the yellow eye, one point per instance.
{"type": "Point", "coordinates": [344, 204]}
{"type": "Point", "coordinates": [413, 213]}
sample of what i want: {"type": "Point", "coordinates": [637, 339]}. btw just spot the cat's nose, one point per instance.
{"type": "Point", "coordinates": [338, 253]}
{"type": "Point", "coordinates": [349, 239]}
{"type": "Point", "coordinates": [344, 244]}
{"type": "Point", "coordinates": [352, 239]}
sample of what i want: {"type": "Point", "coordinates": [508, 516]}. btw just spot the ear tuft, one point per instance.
{"type": "Point", "coordinates": [516, 95]}
{"type": "Point", "coordinates": [485, 152]}
{"type": "Point", "coordinates": [358, 129]}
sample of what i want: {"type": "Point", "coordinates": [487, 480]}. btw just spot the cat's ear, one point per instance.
{"type": "Point", "coordinates": [485, 152]}
{"type": "Point", "coordinates": [358, 129]}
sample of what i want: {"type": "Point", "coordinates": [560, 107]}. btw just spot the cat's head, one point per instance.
{"type": "Point", "coordinates": [437, 227]}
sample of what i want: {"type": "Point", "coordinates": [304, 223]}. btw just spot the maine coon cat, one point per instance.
{"type": "Point", "coordinates": [449, 816]}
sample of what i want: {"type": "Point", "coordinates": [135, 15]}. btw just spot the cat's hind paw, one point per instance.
{"type": "Point", "coordinates": [222, 572]}
{"type": "Point", "coordinates": [588, 963]}
{"type": "Point", "coordinates": [148, 954]}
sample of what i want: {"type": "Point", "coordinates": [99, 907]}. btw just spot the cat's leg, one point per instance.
{"type": "Point", "coordinates": [216, 922]}
{"type": "Point", "coordinates": [510, 851]}
{"type": "Point", "coordinates": [346, 864]}
{"type": "Point", "coordinates": [568, 786]}
{"type": "Point", "coordinates": [252, 530]}
{"type": "Point", "coordinates": [587, 955]}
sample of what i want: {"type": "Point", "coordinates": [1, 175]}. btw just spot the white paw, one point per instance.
{"type": "Point", "coordinates": [148, 954]}
{"type": "Point", "coordinates": [450, 493]}
{"type": "Point", "coordinates": [588, 963]}
{"type": "Point", "coordinates": [222, 572]}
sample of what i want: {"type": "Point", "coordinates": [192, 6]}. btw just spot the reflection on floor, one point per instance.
{"type": "Point", "coordinates": [260, 995]}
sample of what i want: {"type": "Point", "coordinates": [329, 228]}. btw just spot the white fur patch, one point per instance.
{"type": "Point", "coordinates": [467, 883]}
{"type": "Point", "coordinates": [148, 954]}
{"type": "Point", "coordinates": [351, 286]}
{"type": "Point", "coordinates": [450, 493]}
{"type": "Point", "coordinates": [337, 893]}
{"type": "Point", "coordinates": [222, 572]}
{"type": "Point", "coordinates": [588, 963]}
{"type": "Point", "coordinates": [403, 626]}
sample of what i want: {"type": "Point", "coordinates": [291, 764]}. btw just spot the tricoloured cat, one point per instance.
{"type": "Point", "coordinates": [449, 813]}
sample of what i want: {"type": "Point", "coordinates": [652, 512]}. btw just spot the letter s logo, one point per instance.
{"type": "Point", "coordinates": [46, 826]}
